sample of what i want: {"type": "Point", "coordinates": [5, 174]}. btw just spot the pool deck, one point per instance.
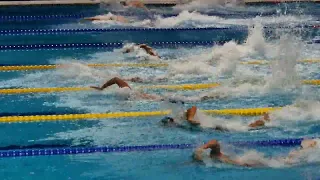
{"type": "Point", "coordinates": [93, 2]}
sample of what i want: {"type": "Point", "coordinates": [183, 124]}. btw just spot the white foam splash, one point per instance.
{"type": "Point", "coordinates": [230, 124]}
{"type": "Point", "coordinates": [199, 4]}
{"type": "Point", "coordinates": [301, 110]}
{"type": "Point", "coordinates": [196, 19]}
{"type": "Point", "coordinates": [190, 67]}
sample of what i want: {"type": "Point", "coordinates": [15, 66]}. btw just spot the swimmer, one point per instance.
{"type": "Point", "coordinates": [260, 122]}
{"type": "Point", "coordinates": [190, 118]}
{"type": "Point", "coordinates": [108, 18]}
{"type": "Point", "coordinates": [216, 154]}
{"type": "Point", "coordinates": [134, 3]}
{"type": "Point", "coordinates": [145, 47]}
{"type": "Point", "coordinates": [305, 146]}
{"type": "Point", "coordinates": [124, 85]}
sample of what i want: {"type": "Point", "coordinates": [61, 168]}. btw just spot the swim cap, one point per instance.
{"type": "Point", "coordinates": [167, 119]}
{"type": "Point", "coordinates": [176, 101]}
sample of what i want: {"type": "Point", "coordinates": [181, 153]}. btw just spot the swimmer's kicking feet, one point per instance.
{"type": "Point", "coordinates": [145, 47]}
{"type": "Point", "coordinates": [122, 84]}
{"type": "Point", "coordinates": [191, 119]}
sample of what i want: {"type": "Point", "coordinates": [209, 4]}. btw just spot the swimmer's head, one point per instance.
{"type": "Point", "coordinates": [308, 143]}
{"type": "Point", "coordinates": [167, 120]}
{"type": "Point", "coordinates": [128, 50]}
{"type": "Point", "coordinates": [214, 145]}
{"type": "Point", "coordinates": [137, 79]}
{"type": "Point", "coordinates": [205, 98]}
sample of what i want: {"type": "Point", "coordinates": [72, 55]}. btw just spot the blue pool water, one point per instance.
{"type": "Point", "coordinates": [243, 86]}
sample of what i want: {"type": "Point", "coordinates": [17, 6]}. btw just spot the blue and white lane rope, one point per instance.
{"type": "Point", "coordinates": [23, 47]}
{"type": "Point", "coordinates": [12, 32]}
{"type": "Point", "coordinates": [89, 150]}
{"type": "Point", "coordinates": [78, 16]}
{"type": "Point", "coordinates": [40, 17]}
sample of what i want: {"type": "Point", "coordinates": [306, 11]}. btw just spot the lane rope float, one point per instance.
{"type": "Point", "coordinates": [71, 117]}
{"type": "Point", "coordinates": [137, 148]}
{"type": "Point", "coordinates": [137, 65]}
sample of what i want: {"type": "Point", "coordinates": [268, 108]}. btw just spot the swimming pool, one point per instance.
{"type": "Point", "coordinates": [243, 86]}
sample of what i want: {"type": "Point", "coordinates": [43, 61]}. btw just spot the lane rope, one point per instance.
{"type": "Point", "coordinates": [81, 16]}
{"type": "Point", "coordinates": [52, 66]}
{"type": "Point", "coordinates": [40, 17]}
{"type": "Point", "coordinates": [23, 47]}
{"type": "Point", "coordinates": [169, 87]}
{"type": "Point", "coordinates": [137, 65]}
{"type": "Point", "coordinates": [13, 32]}
{"type": "Point", "coordinates": [61, 46]}
{"type": "Point", "coordinates": [66, 89]}
{"type": "Point", "coordinates": [119, 149]}
{"type": "Point", "coordinates": [86, 116]}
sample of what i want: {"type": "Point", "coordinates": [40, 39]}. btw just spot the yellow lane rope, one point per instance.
{"type": "Point", "coordinates": [170, 87]}
{"type": "Point", "coordinates": [70, 117]}
{"type": "Point", "coordinates": [46, 67]}
{"type": "Point", "coordinates": [64, 89]}
{"type": "Point", "coordinates": [136, 65]}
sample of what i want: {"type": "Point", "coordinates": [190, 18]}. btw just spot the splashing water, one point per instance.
{"type": "Point", "coordinates": [301, 110]}
{"type": "Point", "coordinates": [284, 74]}
{"type": "Point", "coordinates": [200, 4]}
{"type": "Point", "coordinates": [211, 122]}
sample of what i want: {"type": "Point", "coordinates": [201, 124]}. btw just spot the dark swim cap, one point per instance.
{"type": "Point", "coordinates": [176, 101]}
{"type": "Point", "coordinates": [166, 120]}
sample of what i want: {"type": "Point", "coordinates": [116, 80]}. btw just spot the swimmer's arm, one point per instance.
{"type": "Point", "coordinates": [91, 18]}
{"type": "Point", "coordinates": [121, 83]}
{"type": "Point", "coordinates": [191, 112]}
{"type": "Point", "coordinates": [148, 49]}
